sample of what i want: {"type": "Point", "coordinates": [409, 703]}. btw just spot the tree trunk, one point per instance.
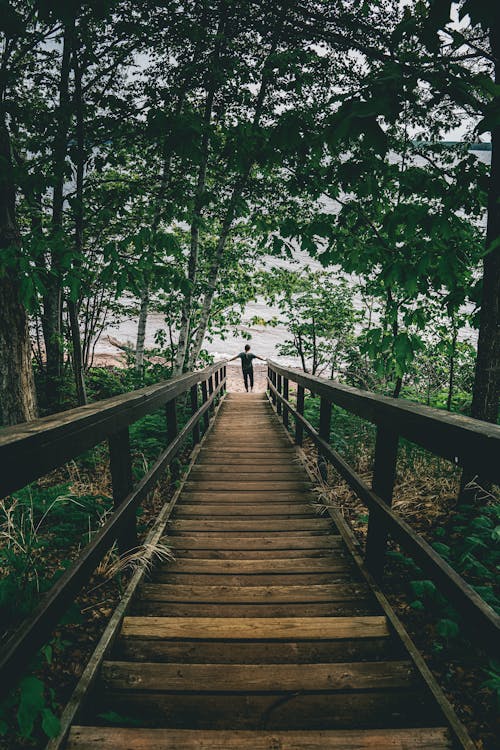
{"type": "Point", "coordinates": [238, 189]}
{"type": "Point", "coordinates": [453, 352]}
{"type": "Point", "coordinates": [17, 389]}
{"type": "Point", "coordinates": [52, 301]}
{"type": "Point", "coordinates": [76, 342]}
{"type": "Point", "coordinates": [486, 391]}
{"type": "Point", "coordinates": [141, 329]}
{"type": "Point", "coordinates": [397, 387]}
{"type": "Point", "coordinates": [74, 305]}
{"type": "Point", "coordinates": [186, 309]}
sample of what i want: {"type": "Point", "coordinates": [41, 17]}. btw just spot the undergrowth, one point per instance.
{"type": "Point", "coordinates": [466, 534]}
{"type": "Point", "coordinates": [43, 528]}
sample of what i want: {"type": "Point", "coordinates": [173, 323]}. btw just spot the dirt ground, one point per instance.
{"type": "Point", "coordinates": [235, 378]}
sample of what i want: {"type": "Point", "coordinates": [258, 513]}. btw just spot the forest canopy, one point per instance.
{"type": "Point", "coordinates": [161, 152]}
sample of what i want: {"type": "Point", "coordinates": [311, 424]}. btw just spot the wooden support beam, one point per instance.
{"type": "Point", "coordinates": [120, 459]}
{"type": "Point", "coordinates": [299, 430]}
{"type": "Point", "coordinates": [194, 409]}
{"type": "Point", "coordinates": [384, 472]}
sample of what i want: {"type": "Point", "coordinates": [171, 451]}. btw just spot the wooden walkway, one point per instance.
{"type": "Point", "coordinates": [263, 634]}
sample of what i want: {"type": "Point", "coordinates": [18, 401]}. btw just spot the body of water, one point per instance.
{"type": "Point", "coordinates": [263, 339]}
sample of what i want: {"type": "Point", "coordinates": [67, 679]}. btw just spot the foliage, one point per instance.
{"type": "Point", "coordinates": [318, 313]}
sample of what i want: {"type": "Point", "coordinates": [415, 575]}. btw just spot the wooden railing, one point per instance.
{"type": "Point", "coordinates": [469, 443]}
{"type": "Point", "coordinates": [30, 450]}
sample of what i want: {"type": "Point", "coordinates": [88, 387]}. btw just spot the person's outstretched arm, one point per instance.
{"type": "Point", "coordinates": [232, 358]}
{"type": "Point", "coordinates": [263, 359]}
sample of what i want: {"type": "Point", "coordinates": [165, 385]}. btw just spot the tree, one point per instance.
{"type": "Point", "coordinates": [316, 308]}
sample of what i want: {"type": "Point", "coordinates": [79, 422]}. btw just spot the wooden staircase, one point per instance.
{"type": "Point", "coordinates": [263, 634]}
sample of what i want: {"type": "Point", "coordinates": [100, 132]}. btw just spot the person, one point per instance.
{"type": "Point", "coordinates": [246, 365]}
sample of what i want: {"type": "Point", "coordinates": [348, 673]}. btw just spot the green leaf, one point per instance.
{"type": "Point", "coordinates": [50, 723]}
{"type": "Point", "coordinates": [47, 651]}
{"type": "Point", "coordinates": [447, 628]}
{"type": "Point", "coordinates": [31, 703]}
{"type": "Point", "coordinates": [417, 604]}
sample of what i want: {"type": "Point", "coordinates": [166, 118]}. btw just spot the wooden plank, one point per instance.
{"type": "Point", "coordinates": [280, 629]}
{"type": "Point", "coordinates": [258, 652]}
{"type": "Point", "coordinates": [278, 565]}
{"type": "Point", "coordinates": [335, 710]}
{"type": "Point", "coordinates": [282, 452]}
{"type": "Point", "coordinates": [256, 554]}
{"type": "Point", "coordinates": [269, 579]}
{"type": "Point", "coordinates": [356, 608]}
{"type": "Point", "coordinates": [254, 594]}
{"type": "Point", "coordinates": [258, 475]}
{"type": "Point", "coordinates": [267, 485]}
{"type": "Point", "coordinates": [278, 510]}
{"type": "Point", "coordinates": [245, 496]}
{"type": "Point", "coordinates": [226, 462]}
{"type": "Point", "coordinates": [109, 738]}
{"type": "Point", "coordinates": [262, 542]}
{"type": "Point", "coordinates": [252, 524]}
{"type": "Point", "coordinates": [248, 678]}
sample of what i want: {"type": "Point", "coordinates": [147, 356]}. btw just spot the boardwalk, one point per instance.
{"type": "Point", "coordinates": [263, 634]}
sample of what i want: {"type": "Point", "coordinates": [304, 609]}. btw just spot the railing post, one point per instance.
{"type": "Point", "coordinates": [273, 381]}
{"type": "Point", "coordinates": [211, 390]}
{"type": "Point", "coordinates": [279, 389]}
{"type": "Point", "coordinates": [216, 385]}
{"type": "Point", "coordinates": [204, 398]}
{"type": "Point", "coordinates": [286, 413]}
{"type": "Point", "coordinates": [172, 432]}
{"type": "Point", "coordinates": [120, 460]}
{"type": "Point", "coordinates": [224, 373]}
{"type": "Point", "coordinates": [325, 418]}
{"type": "Point", "coordinates": [299, 430]}
{"type": "Point", "coordinates": [384, 472]}
{"type": "Point", "coordinates": [194, 409]}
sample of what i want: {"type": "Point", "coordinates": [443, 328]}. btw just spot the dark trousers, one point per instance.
{"type": "Point", "coordinates": [248, 376]}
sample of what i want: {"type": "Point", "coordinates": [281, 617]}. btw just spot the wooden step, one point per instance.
{"type": "Point", "coordinates": [258, 475]}
{"type": "Point", "coordinates": [282, 453]}
{"type": "Point", "coordinates": [325, 592]}
{"type": "Point", "coordinates": [277, 629]}
{"type": "Point", "coordinates": [162, 575]}
{"type": "Point", "coordinates": [248, 678]}
{"type": "Point", "coordinates": [234, 485]}
{"type": "Point", "coordinates": [257, 652]}
{"type": "Point", "coordinates": [210, 510]}
{"type": "Point", "coordinates": [256, 567]}
{"type": "Point", "coordinates": [333, 710]}
{"type": "Point", "coordinates": [226, 463]}
{"type": "Point", "coordinates": [268, 542]}
{"type": "Point", "coordinates": [255, 554]}
{"type": "Point", "coordinates": [246, 496]}
{"type": "Point", "coordinates": [355, 608]}
{"type": "Point", "coordinates": [106, 738]}
{"type": "Point", "coordinates": [255, 525]}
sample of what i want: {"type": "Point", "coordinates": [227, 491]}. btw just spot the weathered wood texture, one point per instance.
{"type": "Point", "coordinates": [29, 450]}
{"type": "Point", "coordinates": [396, 418]}
{"type": "Point", "coordinates": [261, 625]}
{"type": "Point", "coordinates": [88, 738]}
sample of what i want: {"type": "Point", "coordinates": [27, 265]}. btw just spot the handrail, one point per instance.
{"type": "Point", "coordinates": [31, 449]}
{"type": "Point", "coordinates": [463, 440]}
{"type": "Point", "coordinates": [61, 434]}
{"type": "Point", "coordinates": [478, 616]}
